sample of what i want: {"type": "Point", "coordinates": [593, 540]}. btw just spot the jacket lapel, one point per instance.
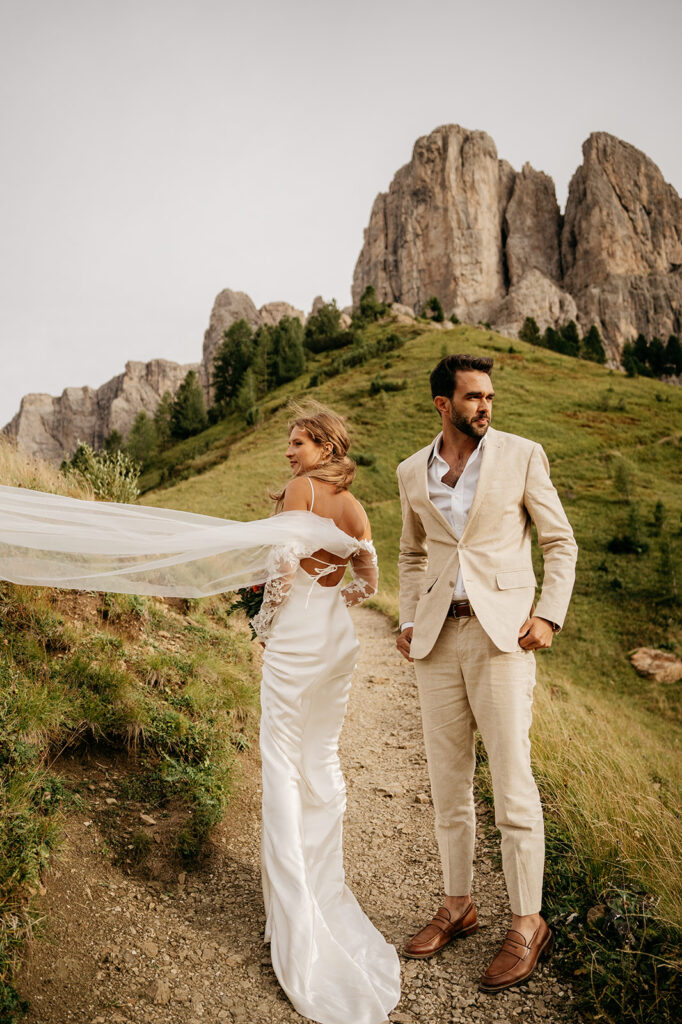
{"type": "Point", "coordinates": [489, 463]}
{"type": "Point", "coordinates": [421, 483]}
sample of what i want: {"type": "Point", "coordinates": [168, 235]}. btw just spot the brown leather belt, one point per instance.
{"type": "Point", "coordinates": [460, 610]}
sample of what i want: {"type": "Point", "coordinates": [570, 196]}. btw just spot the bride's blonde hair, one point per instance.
{"type": "Point", "coordinates": [325, 427]}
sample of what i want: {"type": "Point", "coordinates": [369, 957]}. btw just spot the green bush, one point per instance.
{"type": "Point", "coordinates": [434, 310]}
{"type": "Point", "coordinates": [113, 477]}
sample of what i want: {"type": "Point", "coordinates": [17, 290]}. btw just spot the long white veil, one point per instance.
{"type": "Point", "coordinates": [54, 541]}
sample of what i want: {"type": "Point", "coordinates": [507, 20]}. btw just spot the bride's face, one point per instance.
{"type": "Point", "coordinates": [303, 453]}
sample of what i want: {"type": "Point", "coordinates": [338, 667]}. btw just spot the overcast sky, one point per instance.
{"type": "Point", "coordinates": [157, 151]}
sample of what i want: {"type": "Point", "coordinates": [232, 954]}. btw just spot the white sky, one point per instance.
{"type": "Point", "coordinates": [157, 151]}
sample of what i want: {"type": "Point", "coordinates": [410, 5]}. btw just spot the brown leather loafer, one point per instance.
{"type": "Point", "coordinates": [517, 959]}
{"type": "Point", "coordinates": [440, 931]}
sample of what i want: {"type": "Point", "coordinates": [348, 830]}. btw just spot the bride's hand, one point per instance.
{"type": "Point", "coordinates": [403, 643]}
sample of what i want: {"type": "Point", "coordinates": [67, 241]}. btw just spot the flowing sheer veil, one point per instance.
{"type": "Point", "coordinates": [54, 541]}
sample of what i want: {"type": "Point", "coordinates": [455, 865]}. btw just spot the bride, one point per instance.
{"type": "Point", "coordinates": [333, 964]}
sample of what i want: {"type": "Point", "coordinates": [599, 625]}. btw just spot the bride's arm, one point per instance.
{"type": "Point", "coordinates": [364, 569]}
{"type": "Point", "coordinates": [296, 498]}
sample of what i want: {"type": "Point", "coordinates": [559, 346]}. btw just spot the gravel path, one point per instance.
{"type": "Point", "coordinates": [119, 948]}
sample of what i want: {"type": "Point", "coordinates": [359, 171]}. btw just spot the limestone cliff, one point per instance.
{"type": "Point", "coordinates": [51, 426]}
{"type": "Point", "coordinates": [458, 223]}
{"type": "Point", "coordinates": [621, 244]}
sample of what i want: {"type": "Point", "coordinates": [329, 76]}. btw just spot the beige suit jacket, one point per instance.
{"type": "Point", "coordinates": [494, 550]}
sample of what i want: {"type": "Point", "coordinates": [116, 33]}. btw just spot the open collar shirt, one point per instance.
{"type": "Point", "coordinates": [454, 503]}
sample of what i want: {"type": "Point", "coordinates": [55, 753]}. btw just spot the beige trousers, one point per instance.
{"type": "Point", "coordinates": [465, 683]}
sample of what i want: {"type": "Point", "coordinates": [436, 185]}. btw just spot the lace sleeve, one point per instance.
{"type": "Point", "coordinates": [365, 572]}
{"type": "Point", "coordinates": [284, 563]}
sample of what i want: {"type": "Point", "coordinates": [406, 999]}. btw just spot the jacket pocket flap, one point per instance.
{"type": "Point", "coordinates": [511, 578]}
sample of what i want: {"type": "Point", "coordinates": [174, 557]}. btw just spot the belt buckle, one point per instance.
{"type": "Point", "coordinates": [460, 609]}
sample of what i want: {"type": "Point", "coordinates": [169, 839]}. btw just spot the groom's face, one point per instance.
{"type": "Point", "coordinates": [471, 406]}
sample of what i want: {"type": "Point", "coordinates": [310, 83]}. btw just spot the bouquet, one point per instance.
{"type": "Point", "coordinates": [249, 600]}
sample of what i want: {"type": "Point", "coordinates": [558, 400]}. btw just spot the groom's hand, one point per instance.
{"type": "Point", "coordinates": [536, 634]}
{"type": "Point", "coordinates": [403, 643]}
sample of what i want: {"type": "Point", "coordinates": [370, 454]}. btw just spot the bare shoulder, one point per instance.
{"type": "Point", "coordinates": [297, 493]}
{"type": "Point", "coordinates": [364, 530]}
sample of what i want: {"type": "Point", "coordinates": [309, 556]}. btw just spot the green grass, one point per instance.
{"type": "Point", "coordinates": [606, 741]}
{"type": "Point", "coordinates": [172, 683]}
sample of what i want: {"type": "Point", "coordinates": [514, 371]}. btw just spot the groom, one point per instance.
{"type": "Point", "coordinates": [468, 622]}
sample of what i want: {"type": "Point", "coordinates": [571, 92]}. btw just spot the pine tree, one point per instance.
{"type": "Point", "coordinates": [673, 356]}
{"type": "Point", "coordinates": [263, 364]}
{"type": "Point", "coordinates": [570, 339]}
{"type": "Point", "coordinates": [592, 347]}
{"type": "Point", "coordinates": [530, 331]}
{"type": "Point", "coordinates": [323, 328]}
{"type": "Point", "coordinates": [657, 357]}
{"type": "Point", "coordinates": [232, 360]}
{"type": "Point", "coordinates": [287, 338]}
{"type": "Point", "coordinates": [552, 339]}
{"type": "Point", "coordinates": [640, 352]}
{"type": "Point", "coordinates": [245, 402]}
{"type": "Point", "coordinates": [188, 413]}
{"type": "Point", "coordinates": [113, 443]}
{"type": "Point", "coordinates": [142, 439]}
{"type": "Point", "coordinates": [162, 420]}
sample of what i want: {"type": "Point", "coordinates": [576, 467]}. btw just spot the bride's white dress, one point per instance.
{"type": "Point", "coordinates": [331, 961]}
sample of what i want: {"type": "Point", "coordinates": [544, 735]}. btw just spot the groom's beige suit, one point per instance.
{"type": "Point", "coordinates": [471, 671]}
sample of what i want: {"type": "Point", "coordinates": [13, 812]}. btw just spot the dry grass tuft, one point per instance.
{"type": "Point", "coordinates": [20, 470]}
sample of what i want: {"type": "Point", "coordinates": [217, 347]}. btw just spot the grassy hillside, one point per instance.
{"type": "Point", "coordinates": [606, 742]}
{"type": "Point", "coordinates": [168, 688]}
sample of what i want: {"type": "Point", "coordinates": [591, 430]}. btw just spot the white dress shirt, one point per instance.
{"type": "Point", "coordinates": [454, 503]}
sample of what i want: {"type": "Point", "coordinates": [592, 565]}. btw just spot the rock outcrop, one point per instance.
{"type": "Point", "coordinates": [621, 244]}
{"type": "Point", "coordinates": [51, 427]}
{"type": "Point", "coordinates": [458, 223]}
{"type": "Point", "coordinates": [437, 230]}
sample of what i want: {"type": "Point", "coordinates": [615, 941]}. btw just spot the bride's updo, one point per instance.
{"type": "Point", "coordinates": [325, 428]}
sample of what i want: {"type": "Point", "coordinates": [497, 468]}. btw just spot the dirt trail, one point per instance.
{"type": "Point", "coordinates": [121, 948]}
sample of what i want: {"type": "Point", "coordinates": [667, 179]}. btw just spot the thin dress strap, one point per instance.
{"type": "Point", "coordinates": [312, 490]}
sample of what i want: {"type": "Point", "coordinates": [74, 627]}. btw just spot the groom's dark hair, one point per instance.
{"type": "Point", "coordinates": [444, 377]}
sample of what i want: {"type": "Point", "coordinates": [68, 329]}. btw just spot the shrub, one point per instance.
{"type": "Point", "coordinates": [434, 310]}
{"type": "Point", "coordinates": [112, 477]}
{"type": "Point", "coordinates": [369, 310]}
{"type": "Point", "coordinates": [378, 384]}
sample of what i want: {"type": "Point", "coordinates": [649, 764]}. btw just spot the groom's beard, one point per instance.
{"type": "Point", "coordinates": [475, 427]}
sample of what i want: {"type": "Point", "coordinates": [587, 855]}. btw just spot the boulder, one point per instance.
{"type": "Point", "coordinates": [661, 666]}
